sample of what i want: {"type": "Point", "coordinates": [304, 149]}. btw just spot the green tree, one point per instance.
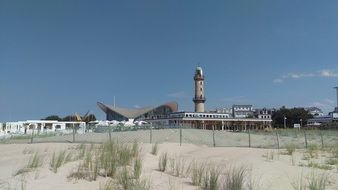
{"type": "Point", "coordinates": [53, 117]}
{"type": "Point", "coordinates": [294, 115]}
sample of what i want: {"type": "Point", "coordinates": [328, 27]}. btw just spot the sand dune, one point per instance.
{"type": "Point", "coordinates": [272, 174]}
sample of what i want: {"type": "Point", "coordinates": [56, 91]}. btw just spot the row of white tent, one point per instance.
{"type": "Point", "coordinates": [40, 126]}
{"type": "Point", "coordinates": [65, 127]}
{"type": "Point", "coordinates": [114, 123]}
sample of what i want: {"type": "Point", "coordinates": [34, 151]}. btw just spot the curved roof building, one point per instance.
{"type": "Point", "coordinates": [123, 114]}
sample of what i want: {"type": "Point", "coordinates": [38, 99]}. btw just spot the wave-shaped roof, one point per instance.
{"type": "Point", "coordinates": [134, 113]}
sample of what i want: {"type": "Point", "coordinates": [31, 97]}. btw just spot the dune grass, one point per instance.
{"type": "Point", "coordinates": [137, 167]}
{"type": "Point", "coordinates": [235, 178]}
{"type": "Point", "coordinates": [126, 181]}
{"type": "Point", "coordinates": [35, 161]}
{"type": "Point", "coordinates": [109, 185]}
{"type": "Point", "coordinates": [210, 180]}
{"type": "Point", "coordinates": [334, 150]}
{"type": "Point", "coordinates": [197, 171]}
{"type": "Point", "coordinates": [314, 181]}
{"type": "Point", "coordinates": [154, 149]}
{"type": "Point", "coordinates": [162, 162]}
{"type": "Point", "coordinates": [312, 151]}
{"type": "Point", "coordinates": [106, 159]}
{"type": "Point", "coordinates": [290, 148]}
{"type": "Point", "coordinates": [177, 166]}
{"type": "Point", "coordinates": [58, 160]}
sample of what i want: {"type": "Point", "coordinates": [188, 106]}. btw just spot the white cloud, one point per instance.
{"type": "Point", "coordinates": [326, 73]}
{"type": "Point", "coordinates": [278, 81]}
{"type": "Point", "coordinates": [180, 94]}
{"type": "Point", "coordinates": [299, 75]}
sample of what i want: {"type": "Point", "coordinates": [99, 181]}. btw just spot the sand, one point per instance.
{"type": "Point", "coordinates": [271, 174]}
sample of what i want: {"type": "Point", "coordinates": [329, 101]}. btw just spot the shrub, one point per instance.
{"type": "Point", "coordinates": [290, 148]}
{"type": "Point", "coordinates": [332, 161]}
{"type": "Point", "coordinates": [319, 166]}
{"type": "Point", "coordinates": [312, 150]}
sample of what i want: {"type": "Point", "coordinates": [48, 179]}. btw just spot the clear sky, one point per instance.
{"type": "Point", "coordinates": [62, 56]}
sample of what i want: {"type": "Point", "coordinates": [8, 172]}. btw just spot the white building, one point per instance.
{"type": "Point", "coordinates": [41, 126]}
{"type": "Point", "coordinates": [316, 112]}
{"type": "Point", "coordinates": [242, 111]}
{"type": "Point", "coordinates": [224, 110]}
{"type": "Point", "coordinates": [264, 113]}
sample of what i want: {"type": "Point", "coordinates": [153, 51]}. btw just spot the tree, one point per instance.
{"type": "Point", "coordinates": [90, 117]}
{"type": "Point", "coordinates": [53, 117]}
{"type": "Point", "coordinates": [293, 116]}
{"type": "Point", "coordinates": [86, 118]}
{"type": "Point", "coordinates": [69, 118]}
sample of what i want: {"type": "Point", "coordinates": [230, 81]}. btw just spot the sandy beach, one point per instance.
{"type": "Point", "coordinates": [269, 169]}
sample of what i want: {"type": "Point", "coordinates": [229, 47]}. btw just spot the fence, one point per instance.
{"type": "Point", "coordinates": [213, 138]}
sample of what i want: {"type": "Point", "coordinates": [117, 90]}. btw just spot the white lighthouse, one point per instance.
{"type": "Point", "coordinates": [199, 98]}
{"type": "Point", "coordinates": [336, 109]}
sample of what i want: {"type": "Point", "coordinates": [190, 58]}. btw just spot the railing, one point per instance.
{"type": "Point", "coordinates": [272, 138]}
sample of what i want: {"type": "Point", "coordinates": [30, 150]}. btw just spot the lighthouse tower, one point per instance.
{"type": "Point", "coordinates": [336, 108]}
{"type": "Point", "coordinates": [199, 98]}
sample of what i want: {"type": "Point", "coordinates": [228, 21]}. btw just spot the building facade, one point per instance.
{"type": "Point", "coordinates": [264, 113]}
{"type": "Point", "coordinates": [212, 121]}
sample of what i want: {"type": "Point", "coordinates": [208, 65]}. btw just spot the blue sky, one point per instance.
{"type": "Point", "coordinates": [61, 57]}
